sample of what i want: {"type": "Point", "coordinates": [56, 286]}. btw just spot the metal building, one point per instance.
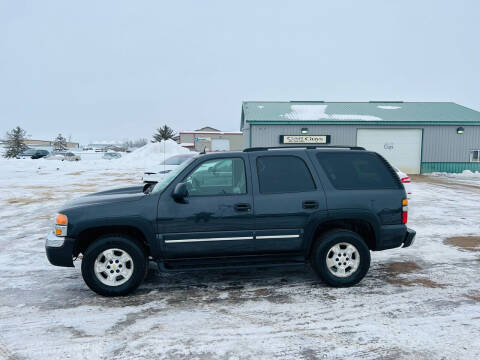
{"type": "Point", "coordinates": [417, 137]}
{"type": "Point", "coordinates": [210, 139]}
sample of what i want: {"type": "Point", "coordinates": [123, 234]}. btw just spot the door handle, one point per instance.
{"type": "Point", "coordinates": [310, 204]}
{"type": "Point", "coordinates": [242, 207]}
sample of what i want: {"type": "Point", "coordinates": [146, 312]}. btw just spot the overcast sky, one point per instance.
{"type": "Point", "coordinates": [110, 70]}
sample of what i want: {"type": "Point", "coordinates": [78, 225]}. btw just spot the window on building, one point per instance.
{"type": "Point", "coordinates": [224, 176]}
{"type": "Point", "coordinates": [283, 174]}
{"type": "Point", "coordinates": [357, 171]}
{"type": "Point", "coordinates": [475, 156]}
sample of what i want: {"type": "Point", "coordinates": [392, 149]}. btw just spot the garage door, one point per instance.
{"type": "Point", "coordinates": [401, 147]}
{"type": "Point", "coordinates": [220, 145]}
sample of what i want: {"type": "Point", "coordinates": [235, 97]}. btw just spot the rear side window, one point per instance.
{"type": "Point", "coordinates": [356, 171]}
{"type": "Point", "coordinates": [283, 174]}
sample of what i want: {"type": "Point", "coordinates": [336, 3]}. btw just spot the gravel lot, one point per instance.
{"type": "Point", "coordinates": [416, 303]}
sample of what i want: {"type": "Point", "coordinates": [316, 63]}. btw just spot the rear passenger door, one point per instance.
{"type": "Point", "coordinates": [287, 196]}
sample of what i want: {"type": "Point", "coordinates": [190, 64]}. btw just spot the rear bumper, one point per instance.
{"type": "Point", "coordinates": [59, 250]}
{"type": "Point", "coordinates": [409, 237]}
{"type": "Point", "coordinates": [394, 236]}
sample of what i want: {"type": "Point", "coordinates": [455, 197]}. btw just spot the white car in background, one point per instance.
{"type": "Point", "coordinates": [405, 179]}
{"type": "Point", "coordinates": [157, 173]}
{"type": "Point", "coordinates": [63, 156]}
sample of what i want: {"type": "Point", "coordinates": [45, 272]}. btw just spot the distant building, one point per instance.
{"type": "Point", "coordinates": [48, 145]}
{"type": "Point", "coordinates": [416, 137]}
{"type": "Point", "coordinates": [210, 139]}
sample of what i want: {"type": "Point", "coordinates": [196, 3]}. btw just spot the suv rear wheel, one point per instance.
{"type": "Point", "coordinates": [114, 265]}
{"type": "Point", "coordinates": [340, 258]}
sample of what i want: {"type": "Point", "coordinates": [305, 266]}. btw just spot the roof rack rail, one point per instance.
{"type": "Point", "coordinates": [303, 147]}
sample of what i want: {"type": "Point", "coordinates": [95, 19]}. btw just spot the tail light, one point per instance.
{"type": "Point", "coordinates": [406, 179]}
{"type": "Point", "coordinates": [404, 211]}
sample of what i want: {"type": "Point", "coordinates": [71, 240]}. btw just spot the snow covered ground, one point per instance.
{"type": "Point", "coordinates": [466, 177]}
{"type": "Point", "coordinates": [417, 303]}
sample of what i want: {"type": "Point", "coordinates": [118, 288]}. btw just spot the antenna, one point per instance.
{"type": "Point", "coordinates": [204, 150]}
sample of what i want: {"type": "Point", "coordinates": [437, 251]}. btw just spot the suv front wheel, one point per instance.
{"type": "Point", "coordinates": [114, 265]}
{"type": "Point", "coordinates": [340, 258]}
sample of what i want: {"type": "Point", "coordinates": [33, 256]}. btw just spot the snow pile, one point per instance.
{"type": "Point", "coordinates": [466, 177]}
{"type": "Point", "coordinates": [153, 153]}
{"type": "Point", "coordinates": [318, 112]}
{"type": "Point", "coordinates": [466, 174]}
{"type": "Point", "coordinates": [145, 157]}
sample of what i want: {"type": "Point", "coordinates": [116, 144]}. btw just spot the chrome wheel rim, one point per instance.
{"type": "Point", "coordinates": [113, 267]}
{"type": "Point", "coordinates": [343, 259]}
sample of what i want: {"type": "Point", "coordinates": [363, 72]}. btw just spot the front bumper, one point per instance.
{"type": "Point", "coordinates": [409, 237]}
{"type": "Point", "coordinates": [59, 250]}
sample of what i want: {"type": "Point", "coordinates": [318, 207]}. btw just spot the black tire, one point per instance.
{"type": "Point", "coordinates": [322, 248]}
{"type": "Point", "coordinates": [124, 243]}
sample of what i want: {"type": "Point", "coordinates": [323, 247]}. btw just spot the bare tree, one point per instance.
{"type": "Point", "coordinates": [135, 143]}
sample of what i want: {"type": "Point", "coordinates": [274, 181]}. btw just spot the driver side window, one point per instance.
{"type": "Point", "coordinates": [225, 176]}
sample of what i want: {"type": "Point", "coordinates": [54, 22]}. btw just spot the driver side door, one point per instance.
{"type": "Point", "coordinates": [216, 218]}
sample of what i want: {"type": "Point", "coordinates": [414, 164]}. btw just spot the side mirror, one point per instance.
{"type": "Point", "coordinates": [147, 187]}
{"type": "Point", "coordinates": [180, 192]}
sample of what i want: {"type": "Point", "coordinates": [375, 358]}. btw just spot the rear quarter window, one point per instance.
{"type": "Point", "coordinates": [357, 171]}
{"type": "Point", "coordinates": [283, 174]}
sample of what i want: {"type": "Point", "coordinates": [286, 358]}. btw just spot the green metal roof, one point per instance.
{"type": "Point", "coordinates": [373, 112]}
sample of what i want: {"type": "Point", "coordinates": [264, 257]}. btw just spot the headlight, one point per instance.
{"type": "Point", "coordinates": [61, 224]}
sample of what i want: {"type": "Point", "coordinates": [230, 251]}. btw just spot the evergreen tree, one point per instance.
{"type": "Point", "coordinates": [15, 144]}
{"type": "Point", "coordinates": [60, 143]}
{"type": "Point", "coordinates": [163, 133]}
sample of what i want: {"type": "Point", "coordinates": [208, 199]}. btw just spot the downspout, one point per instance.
{"type": "Point", "coordinates": [250, 128]}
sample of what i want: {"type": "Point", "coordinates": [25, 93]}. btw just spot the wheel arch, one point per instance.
{"type": "Point", "coordinates": [87, 236]}
{"type": "Point", "coordinates": [364, 227]}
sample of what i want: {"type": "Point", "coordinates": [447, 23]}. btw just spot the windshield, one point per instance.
{"type": "Point", "coordinates": [29, 152]}
{"type": "Point", "coordinates": [162, 184]}
{"type": "Point", "coordinates": [177, 159]}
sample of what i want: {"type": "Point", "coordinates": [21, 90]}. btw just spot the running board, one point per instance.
{"type": "Point", "coordinates": [228, 263]}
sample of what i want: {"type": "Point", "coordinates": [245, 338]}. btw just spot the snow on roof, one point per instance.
{"type": "Point", "coordinates": [317, 112]}
{"type": "Point", "coordinates": [212, 132]}
{"type": "Point", "coordinates": [382, 112]}
{"type": "Point", "coordinates": [388, 107]}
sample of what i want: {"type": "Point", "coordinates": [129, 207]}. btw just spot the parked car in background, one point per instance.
{"type": "Point", "coordinates": [34, 154]}
{"type": "Point", "coordinates": [27, 154]}
{"type": "Point", "coordinates": [157, 173]}
{"type": "Point", "coordinates": [405, 179]}
{"type": "Point", "coordinates": [60, 155]}
{"type": "Point", "coordinates": [40, 154]}
{"type": "Point", "coordinates": [111, 156]}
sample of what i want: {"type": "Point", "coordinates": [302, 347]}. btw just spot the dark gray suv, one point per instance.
{"type": "Point", "coordinates": [328, 207]}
